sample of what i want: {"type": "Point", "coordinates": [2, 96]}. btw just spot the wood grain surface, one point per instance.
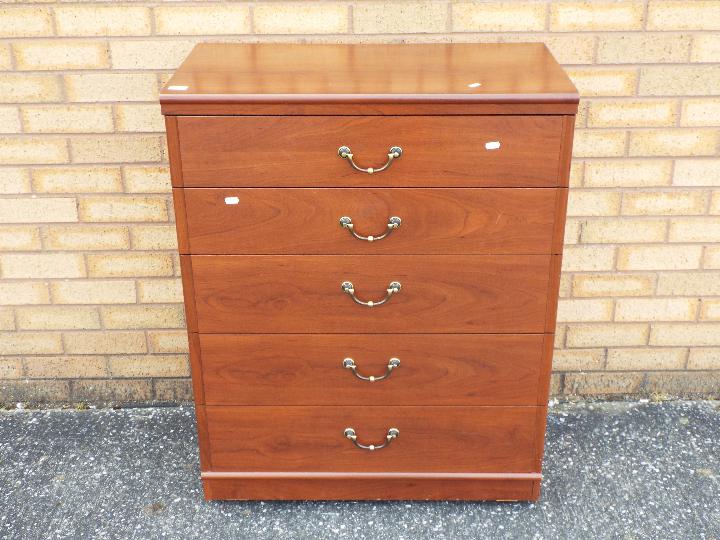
{"type": "Point", "coordinates": [375, 487]}
{"type": "Point", "coordinates": [441, 73]}
{"type": "Point", "coordinates": [307, 369]}
{"type": "Point", "coordinates": [432, 439]}
{"type": "Point", "coordinates": [302, 293]}
{"type": "Point", "coordinates": [269, 324]}
{"type": "Point", "coordinates": [302, 151]}
{"type": "Point", "coordinates": [277, 108]}
{"type": "Point", "coordinates": [306, 220]}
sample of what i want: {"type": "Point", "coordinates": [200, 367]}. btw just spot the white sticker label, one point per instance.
{"type": "Point", "coordinates": [232, 200]}
{"type": "Point", "coordinates": [178, 87]}
{"type": "Point", "coordinates": [492, 145]}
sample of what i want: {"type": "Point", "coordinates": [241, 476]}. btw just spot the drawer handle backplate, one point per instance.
{"type": "Point", "coordinates": [393, 363]}
{"type": "Point", "coordinates": [394, 153]}
{"type": "Point", "coordinates": [349, 289]}
{"type": "Point", "coordinates": [393, 223]}
{"type": "Point", "coordinates": [392, 434]}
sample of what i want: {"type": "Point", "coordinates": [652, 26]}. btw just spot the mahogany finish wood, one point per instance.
{"type": "Point", "coordinates": [305, 221]}
{"type": "Point", "coordinates": [181, 225]}
{"type": "Point", "coordinates": [196, 367]}
{"type": "Point", "coordinates": [203, 437]}
{"type": "Point", "coordinates": [561, 201]}
{"type": "Point", "coordinates": [370, 475]}
{"type": "Point", "coordinates": [568, 132]}
{"type": "Point", "coordinates": [189, 293]}
{"type": "Point", "coordinates": [366, 109]}
{"type": "Point", "coordinates": [307, 369]}
{"type": "Point", "coordinates": [546, 370]}
{"type": "Point", "coordinates": [438, 74]}
{"type": "Point", "coordinates": [445, 151]}
{"type": "Point", "coordinates": [376, 487]}
{"type": "Point", "coordinates": [478, 255]}
{"type": "Point", "coordinates": [432, 439]}
{"type": "Point", "coordinates": [553, 293]}
{"type": "Point", "coordinates": [302, 293]}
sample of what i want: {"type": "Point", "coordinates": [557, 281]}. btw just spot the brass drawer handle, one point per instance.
{"type": "Point", "coordinates": [392, 434]}
{"type": "Point", "coordinates": [349, 289]}
{"type": "Point", "coordinates": [393, 223]}
{"type": "Point", "coordinates": [349, 363]}
{"type": "Point", "coordinates": [394, 153]}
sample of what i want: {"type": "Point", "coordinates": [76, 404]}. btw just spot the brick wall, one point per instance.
{"type": "Point", "coordinates": [90, 299]}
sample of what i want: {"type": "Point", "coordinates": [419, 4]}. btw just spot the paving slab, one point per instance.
{"type": "Point", "coordinates": [613, 470]}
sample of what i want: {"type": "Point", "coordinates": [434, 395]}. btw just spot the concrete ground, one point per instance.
{"type": "Point", "coordinates": [612, 470]}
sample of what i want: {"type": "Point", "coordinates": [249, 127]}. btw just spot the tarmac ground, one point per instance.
{"type": "Point", "coordinates": [615, 470]}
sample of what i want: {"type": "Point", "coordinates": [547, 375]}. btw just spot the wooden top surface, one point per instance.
{"type": "Point", "coordinates": [353, 73]}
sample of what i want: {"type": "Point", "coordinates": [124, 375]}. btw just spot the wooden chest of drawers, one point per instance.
{"type": "Point", "coordinates": [370, 240]}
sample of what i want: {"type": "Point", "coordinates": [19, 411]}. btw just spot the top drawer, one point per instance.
{"type": "Point", "coordinates": [443, 151]}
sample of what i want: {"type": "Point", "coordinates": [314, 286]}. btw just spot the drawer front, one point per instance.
{"type": "Point", "coordinates": [433, 220]}
{"type": "Point", "coordinates": [431, 439]}
{"type": "Point", "coordinates": [303, 294]}
{"type": "Point", "coordinates": [257, 151]}
{"type": "Point", "coordinates": [449, 369]}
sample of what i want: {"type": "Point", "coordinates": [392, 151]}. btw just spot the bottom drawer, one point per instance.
{"type": "Point", "coordinates": [431, 439]}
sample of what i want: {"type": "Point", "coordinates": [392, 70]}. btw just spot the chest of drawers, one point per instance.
{"type": "Point", "coordinates": [370, 240]}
